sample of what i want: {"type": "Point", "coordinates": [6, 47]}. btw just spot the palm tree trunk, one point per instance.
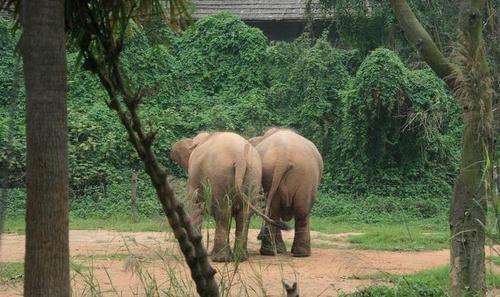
{"type": "Point", "coordinates": [44, 57]}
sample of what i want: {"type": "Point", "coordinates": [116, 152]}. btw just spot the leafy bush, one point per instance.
{"type": "Point", "coordinates": [378, 208]}
{"type": "Point", "coordinates": [399, 126]}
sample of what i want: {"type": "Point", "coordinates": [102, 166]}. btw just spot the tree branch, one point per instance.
{"type": "Point", "coordinates": [420, 38]}
{"type": "Point", "coordinates": [125, 104]}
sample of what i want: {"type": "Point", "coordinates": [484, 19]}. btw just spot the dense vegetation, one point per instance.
{"type": "Point", "coordinates": [389, 133]}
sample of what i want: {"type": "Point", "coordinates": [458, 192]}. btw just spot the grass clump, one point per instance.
{"type": "Point", "coordinates": [114, 256]}
{"type": "Point", "coordinates": [122, 223]}
{"type": "Point", "coordinates": [430, 234]}
{"type": "Point", "coordinates": [427, 283]}
{"type": "Point", "coordinates": [494, 259]}
{"type": "Point", "coordinates": [396, 238]}
{"type": "Point", "coordinates": [414, 289]}
{"type": "Point", "coordinates": [11, 272]}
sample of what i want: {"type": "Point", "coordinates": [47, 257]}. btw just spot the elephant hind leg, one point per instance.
{"type": "Point", "coordinates": [195, 207]}
{"type": "Point", "coordinates": [221, 251]}
{"type": "Point", "coordinates": [223, 215]}
{"type": "Point", "coordinates": [240, 243]}
{"type": "Point", "coordinates": [272, 241]}
{"type": "Point", "coordinates": [302, 240]}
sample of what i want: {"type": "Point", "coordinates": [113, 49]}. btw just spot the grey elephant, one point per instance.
{"type": "Point", "coordinates": [291, 172]}
{"type": "Point", "coordinates": [226, 168]}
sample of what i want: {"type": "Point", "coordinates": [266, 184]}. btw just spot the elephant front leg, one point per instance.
{"type": "Point", "coordinates": [240, 243]}
{"type": "Point", "coordinates": [302, 241]}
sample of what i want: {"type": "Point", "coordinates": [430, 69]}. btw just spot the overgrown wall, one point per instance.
{"type": "Point", "coordinates": [389, 134]}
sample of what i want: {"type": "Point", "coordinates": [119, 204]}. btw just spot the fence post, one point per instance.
{"type": "Point", "coordinates": [133, 194]}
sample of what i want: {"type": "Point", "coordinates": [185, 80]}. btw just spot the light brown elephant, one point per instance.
{"type": "Point", "coordinates": [225, 168]}
{"type": "Point", "coordinates": [292, 170]}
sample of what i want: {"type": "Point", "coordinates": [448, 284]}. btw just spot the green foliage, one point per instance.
{"type": "Point", "coordinates": [389, 135]}
{"type": "Point", "coordinates": [12, 132]}
{"type": "Point", "coordinates": [222, 53]}
{"type": "Point", "coordinates": [378, 208]}
{"type": "Point", "coordinates": [397, 124]}
{"type": "Point", "coordinates": [379, 131]}
{"type": "Point", "coordinates": [223, 70]}
{"type": "Point", "coordinates": [362, 24]}
{"type": "Point", "coordinates": [306, 90]}
{"type": "Point", "coordinates": [369, 24]}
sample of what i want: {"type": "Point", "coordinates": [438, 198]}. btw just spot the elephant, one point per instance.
{"type": "Point", "coordinates": [291, 172]}
{"type": "Point", "coordinates": [226, 168]}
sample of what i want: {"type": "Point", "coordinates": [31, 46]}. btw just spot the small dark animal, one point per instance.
{"type": "Point", "coordinates": [292, 291]}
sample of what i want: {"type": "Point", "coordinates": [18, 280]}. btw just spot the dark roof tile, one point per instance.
{"type": "Point", "coordinates": [257, 9]}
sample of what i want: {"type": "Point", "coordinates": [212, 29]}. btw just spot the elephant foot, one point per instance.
{"type": "Point", "coordinates": [280, 247]}
{"type": "Point", "coordinates": [222, 255]}
{"type": "Point", "coordinates": [301, 251]}
{"type": "Point", "coordinates": [240, 256]}
{"type": "Point", "coordinates": [267, 250]}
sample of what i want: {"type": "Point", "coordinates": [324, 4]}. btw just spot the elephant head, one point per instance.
{"type": "Point", "coordinates": [182, 149]}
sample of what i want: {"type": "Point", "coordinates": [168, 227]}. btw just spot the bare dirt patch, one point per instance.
{"type": "Point", "coordinates": [130, 263]}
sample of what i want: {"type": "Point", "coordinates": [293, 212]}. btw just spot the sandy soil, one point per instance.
{"type": "Point", "coordinates": [131, 263]}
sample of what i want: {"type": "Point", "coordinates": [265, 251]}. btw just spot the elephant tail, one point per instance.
{"type": "Point", "coordinates": [281, 168]}
{"type": "Point", "coordinates": [240, 168]}
{"type": "Point", "coordinates": [279, 224]}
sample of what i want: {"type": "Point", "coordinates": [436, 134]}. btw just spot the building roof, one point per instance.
{"type": "Point", "coordinates": [257, 10]}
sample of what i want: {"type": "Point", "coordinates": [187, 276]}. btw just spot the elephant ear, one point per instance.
{"type": "Point", "coordinates": [271, 131]}
{"type": "Point", "coordinates": [180, 153]}
{"type": "Point", "coordinates": [181, 150]}
{"type": "Point", "coordinates": [256, 140]}
{"type": "Point", "coordinates": [199, 139]}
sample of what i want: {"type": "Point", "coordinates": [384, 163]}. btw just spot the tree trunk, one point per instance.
{"type": "Point", "coordinates": [471, 82]}
{"type": "Point", "coordinates": [470, 195]}
{"type": "Point", "coordinates": [468, 217]}
{"type": "Point", "coordinates": [44, 56]}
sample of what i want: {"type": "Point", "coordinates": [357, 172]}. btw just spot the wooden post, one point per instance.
{"type": "Point", "coordinates": [133, 196]}
{"type": "Point", "coordinates": [496, 173]}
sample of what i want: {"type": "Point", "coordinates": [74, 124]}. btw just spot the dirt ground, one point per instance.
{"type": "Point", "coordinates": [138, 263]}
